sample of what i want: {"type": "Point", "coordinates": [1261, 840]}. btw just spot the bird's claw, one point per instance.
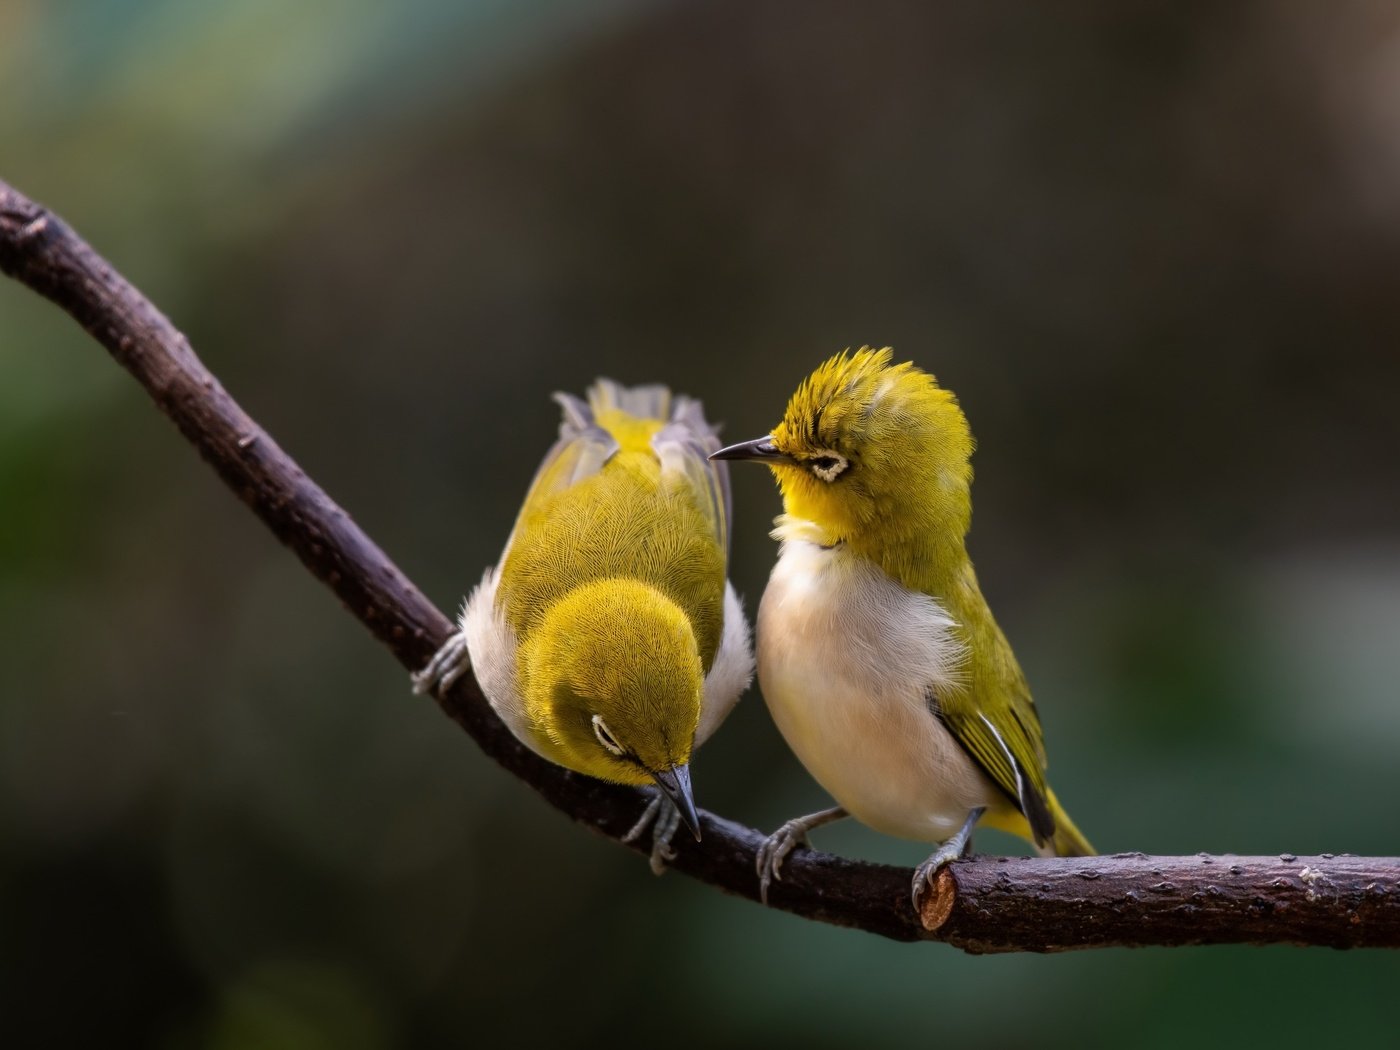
{"type": "Point", "coordinates": [448, 664]}
{"type": "Point", "coordinates": [927, 872]}
{"type": "Point", "coordinates": [955, 847]}
{"type": "Point", "coordinates": [644, 821]}
{"type": "Point", "coordinates": [663, 818]}
{"type": "Point", "coordinates": [775, 850]}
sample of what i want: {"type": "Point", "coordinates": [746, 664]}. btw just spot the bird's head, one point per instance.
{"type": "Point", "coordinates": [614, 680]}
{"type": "Point", "coordinates": [868, 450]}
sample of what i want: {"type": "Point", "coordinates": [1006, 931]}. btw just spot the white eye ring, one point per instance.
{"type": "Point", "coordinates": [833, 471]}
{"type": "Point", "coordinates": [605, 737]}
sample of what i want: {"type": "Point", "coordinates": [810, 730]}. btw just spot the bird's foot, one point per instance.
{"type": "Point", "coordinates": [957, 846]}
{"type": "Point", "coordinates": [927, 872]}
{"type": "Point", "coordinates": [777, 846]}
{"type": "Point", "coordinates": [774, 851]}
{"type": "Point", "coordinates": [662, 816]}
{"type": "Point", "coordinates": [448, 664]}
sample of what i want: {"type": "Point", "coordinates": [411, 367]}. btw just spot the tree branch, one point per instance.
{"type": "Point", "coordinates": [981, 905]}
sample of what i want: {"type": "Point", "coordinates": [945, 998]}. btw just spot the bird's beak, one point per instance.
{"type": "Point", "coordinates": [760, 449]}
{"type": "Point", "coordinates": [676, 783]}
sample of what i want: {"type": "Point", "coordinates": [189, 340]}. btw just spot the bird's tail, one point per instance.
{"type": "Point", "coordinates": [651, 401]}
{"type": "Point", "coordinates": [1068, 841]}
{"type": "Point", "coordinates": [683, 444]}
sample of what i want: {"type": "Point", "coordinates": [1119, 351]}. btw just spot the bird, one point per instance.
{"type": "Point", "coordinates": [608, 638]}
{"type": "Point", "coordinates": [878, 656]}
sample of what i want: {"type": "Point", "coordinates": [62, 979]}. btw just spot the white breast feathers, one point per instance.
{"type": "Point", "coordinates": [848, 660]}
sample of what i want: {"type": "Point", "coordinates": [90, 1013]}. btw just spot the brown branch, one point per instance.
{"type": "Point", "coordinates": [991, 904]}
{"type": "Point", "coordinates": [982, 905]}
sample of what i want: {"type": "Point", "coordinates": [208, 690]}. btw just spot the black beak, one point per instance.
{"type": "Point", "coordinates": [760, 449]}
{"type": "Point", "coordinates": [676, 783]}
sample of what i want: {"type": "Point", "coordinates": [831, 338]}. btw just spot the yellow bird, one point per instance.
{"type": "Point", "coordinates": [877, 654]}
{"type": "Point", "coordinates": [608, 639]}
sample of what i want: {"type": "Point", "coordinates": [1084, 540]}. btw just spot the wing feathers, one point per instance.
{"type": "Point", "coordinates": [987, 746]}
{"type": "Point", "coordinates": [684, 445]}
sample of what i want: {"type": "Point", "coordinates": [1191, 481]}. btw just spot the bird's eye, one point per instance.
{"type": "Point", "coordinates": [828, 466]}
{"type": "Point", "coordinates": [605, 737]}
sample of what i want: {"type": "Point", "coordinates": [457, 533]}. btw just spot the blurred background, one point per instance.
{"type": "Point", "coordinates": [1154, 250]}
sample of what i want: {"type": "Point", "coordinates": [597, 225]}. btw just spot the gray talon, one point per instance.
{"type": "Point", "coordinates": [663, 818]}
{"type": "Point", "coordinates": [774, 851]}
{"type": "Point", "coordinates": [926, 872]}
{"type": "Point", "coordinates": [644, 821]}
{"type": "Point", "coordinates": [951, 850]}
{"type": "Point", "coordinates": [661, 851]}
{"type": "Point", "coordinates": [777, 846]}
{"type": "Point", "coordinates": [448, 665]}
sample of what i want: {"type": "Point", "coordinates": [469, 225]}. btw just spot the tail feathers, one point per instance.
{"type": "Point", "coordinates": [580, 417]}
{"type": "Point", "coordinates": [683, 444]}
{"type": "Point", "coordinates": [577, 417]}
{"type": "Point", "coordinates": [1068, 840]}
{"type": "Point", "coordinates": [690, 413]}
{"type": "Point", "coordinates": [651, 401]}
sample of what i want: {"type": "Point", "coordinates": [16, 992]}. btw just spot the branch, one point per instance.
{"type": "Point", "coordinates": [981, 905]}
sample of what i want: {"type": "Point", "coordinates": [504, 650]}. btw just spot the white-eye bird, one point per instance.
{"type": "Point", "coordinates": [877, 654]}
{"type": "Point", "coordinates": [607, 638]}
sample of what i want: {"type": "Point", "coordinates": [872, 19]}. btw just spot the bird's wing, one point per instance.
{"type": "Point", "coordinates": [1004, 739]}
{"type": "Point", "coordinates": [581, 451]}
{"type": "Point", "coordinates": [684, 445]}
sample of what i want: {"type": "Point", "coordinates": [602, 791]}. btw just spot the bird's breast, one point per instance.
{"type": "Point", "coordinates": [848, 660]}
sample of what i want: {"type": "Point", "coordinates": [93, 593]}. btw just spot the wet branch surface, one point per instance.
{"type": "Point", "coordinates": [982, 905]}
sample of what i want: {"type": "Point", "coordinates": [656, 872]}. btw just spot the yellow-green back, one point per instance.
{"type": "Point", "coordinates": [613, 583]}
{"type": "Point", "coordinates": [623, 521]}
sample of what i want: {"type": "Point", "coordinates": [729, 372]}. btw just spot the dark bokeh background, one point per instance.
{"type": "Point", "coordinates": [1155, 251]}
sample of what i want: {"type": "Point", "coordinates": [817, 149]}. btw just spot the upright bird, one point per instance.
{"type": "Point", "coordinates": [877, 654]}
{"type": "Point", "coordinates": [607, 638]}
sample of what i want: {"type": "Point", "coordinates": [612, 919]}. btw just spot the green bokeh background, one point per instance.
{"type": "Point", "coordinates": [1154, 249]}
